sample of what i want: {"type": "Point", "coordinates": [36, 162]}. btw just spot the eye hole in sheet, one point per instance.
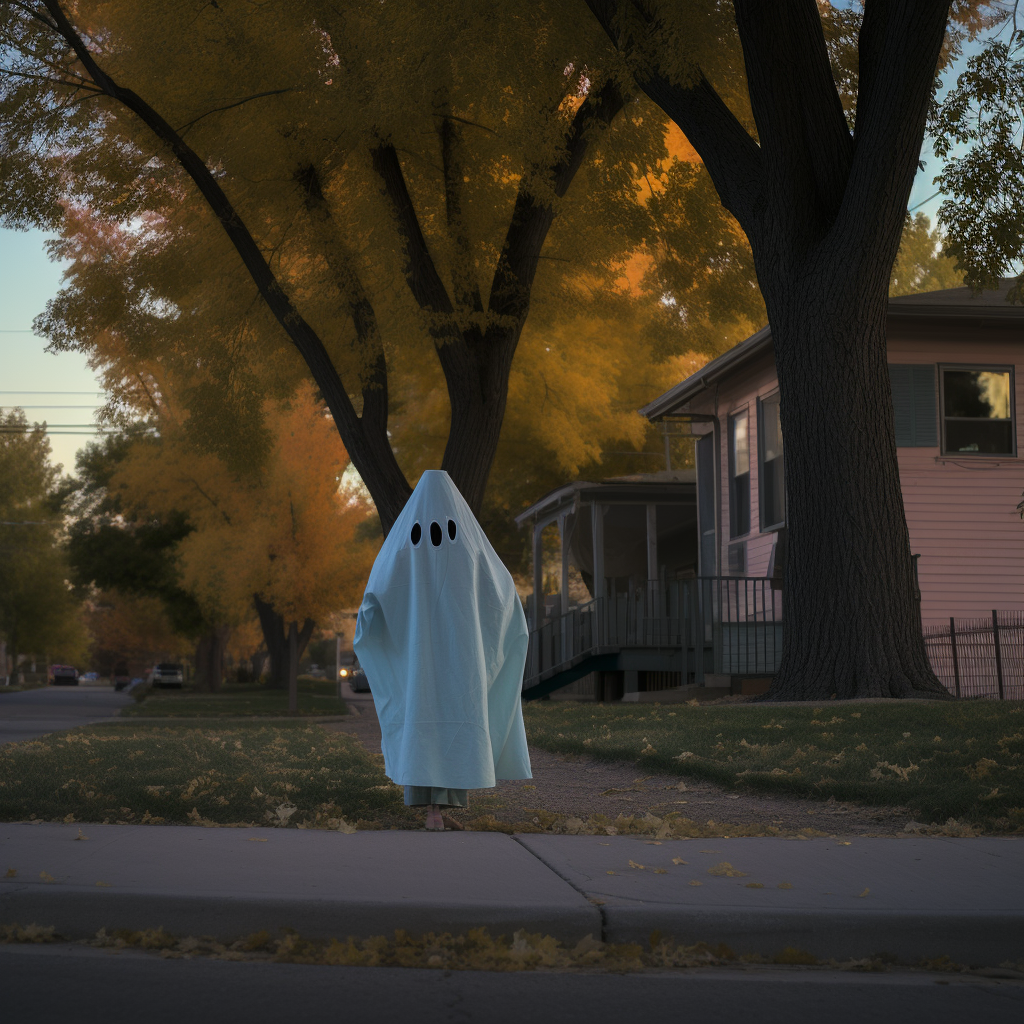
{"type": "Point", "coordinates": [416, 534]}
{"type": "Point", "coordinates": [451, 529]}
{"type": "Point", "coordinates": [435, 535]}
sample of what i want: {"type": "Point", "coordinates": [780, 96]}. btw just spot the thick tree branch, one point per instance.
{"type": "Point", "coordinates": [467, 289]}
{"type": "Point", "coordinates": [804, 139]}
{"type": "Point", "coordinates": [533, 215]}
{"type": "Point", "coordinates": [731, 156]}
{"type": "Point", "coordinates": [378, 469]}
{"type": "Point", "coordinates": [374, 372]}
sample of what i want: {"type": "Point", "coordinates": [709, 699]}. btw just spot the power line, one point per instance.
{"type": "Point", "coordinates": [51, 406]}
{"type": "Point", "coordinates": [52, 392]}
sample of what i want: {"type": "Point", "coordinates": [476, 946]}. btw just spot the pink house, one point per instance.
{"type": "Point", "coordinates": [956, 363]}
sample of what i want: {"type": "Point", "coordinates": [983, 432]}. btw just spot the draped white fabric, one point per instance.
{"type": "Point", "coordinates": [442, 637]}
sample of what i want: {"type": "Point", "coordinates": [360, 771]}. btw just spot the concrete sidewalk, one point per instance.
{"type": "Point", "coordinates": [911, 897]}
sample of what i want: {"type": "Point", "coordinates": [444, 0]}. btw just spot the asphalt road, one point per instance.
{"type": "Point", "coordinates": [44, 984]}
{"type": "Point", "coordinates": [34, 713]}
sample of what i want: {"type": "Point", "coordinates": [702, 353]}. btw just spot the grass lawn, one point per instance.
{"type": "Point", "coordinates": [962, 760]}
{"type": "Point", "coordinates": [316, 697]}
{"type": "Point", "coordinates": [293, 774]}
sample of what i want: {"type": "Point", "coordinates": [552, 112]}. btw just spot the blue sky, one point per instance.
{"type": "Point", "coordinates": [28, 279]}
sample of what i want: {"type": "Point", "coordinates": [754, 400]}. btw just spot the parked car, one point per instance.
{"type": "Point", "coordinates": [167, 675]}
{"type": "Point", "coordinates": [356, 678]}
{"type": "Point", "coordinates": [63, 675]}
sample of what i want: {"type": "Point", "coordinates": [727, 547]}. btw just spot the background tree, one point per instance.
{"type": "Point", "coordinates": [818, 176]}
{"type": "Point", "coordinates": [280, 538]}
{"type": "Point", "coordinates": [131, 559]}
{"type": "Point", "coordinates": [977, 132]}
{"type": "Point", "coordinates": [393, 229]}
{"type": "Point", "coordinates": [39, 614]}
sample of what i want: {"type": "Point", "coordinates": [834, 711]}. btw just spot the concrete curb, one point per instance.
{"type": "Point", "coordinates": [227, 883]}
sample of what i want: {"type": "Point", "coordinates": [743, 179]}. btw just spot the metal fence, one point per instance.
{"type": "Point", "coordinates": [737, 621]}
{"type": "Point", "coordinates": [980, 657]}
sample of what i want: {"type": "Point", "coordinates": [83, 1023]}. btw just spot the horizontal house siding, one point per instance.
{"type": "Point", "coordinates": [961, 511]}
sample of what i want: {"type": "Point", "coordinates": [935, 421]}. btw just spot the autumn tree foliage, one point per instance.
{"type": "Point", "coordinates": [39, 612]}
{"type": "Point", "coordinates": [280, 539]}
{"type": "Point", "coordinates": [379, 195]}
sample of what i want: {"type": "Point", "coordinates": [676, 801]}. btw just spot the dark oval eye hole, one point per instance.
{"type": "Point", "coordinates": [451, 529]}
{"type": "Point", "coordinates": [416, 534]}
{"type": "Point", "coordinates": [435, 535]}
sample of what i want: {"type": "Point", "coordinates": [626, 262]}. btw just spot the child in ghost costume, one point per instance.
{"type": "Point", "coordinates": [442, 637]}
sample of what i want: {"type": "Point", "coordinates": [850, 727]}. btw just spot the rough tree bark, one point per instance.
{"type": "Point", "coordinates": [210, 659]}
{"type": "Point", "coordinates": [823, 209]}
{"type": "Point", "coordinates": [275, 636]}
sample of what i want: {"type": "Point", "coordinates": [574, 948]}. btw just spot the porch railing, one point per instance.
{"type": "Point", "coordinates": [725, 624]}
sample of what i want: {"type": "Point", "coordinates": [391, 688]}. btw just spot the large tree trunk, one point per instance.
{"type": "Point", "coordinates": [275, 635]}
{"type": "Point", "coordinates": [851, 621]}
{"type": "Point", "coordinates": [210, 659]}
{"type": "Point", "coordinates": [823, 209]}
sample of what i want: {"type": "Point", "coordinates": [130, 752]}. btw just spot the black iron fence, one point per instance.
{"type": "Point", "coordinates": [980, 657]}
{"type": "Point", "coordinates": [725, 624]}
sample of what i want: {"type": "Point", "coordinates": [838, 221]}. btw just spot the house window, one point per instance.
{"type": "Point", "coordinates": [772, 476]}
{"type": "Point", "coordinates": [739, 475]}
{"type": "Point", "coordinates": [977, 410]}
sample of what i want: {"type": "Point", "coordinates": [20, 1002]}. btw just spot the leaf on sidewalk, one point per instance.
{"type": "Point", "coordinates": [103, 885]}
{"type": "Point", "coordinates": [639, 867]}
{"type": "Point", "coordinates": [678, 860]}
{"type": "Point", "coordinates": [695, 882]}
{"type": "Point", "coordinates": [863, 894]}
{"type": "Point", "coordinates": [610, 872]}
{"type": "Point", "coordinates": [755, 885]}
{"type": "Point", "coordinates": [784, 885]}
{"type": "Point", "coordinates": [660, 871]}
{"type": "Point", "coordinates": [253, 839]}
{"type": "Point", "coordinates": [11, 873]}
{"type": "Point", "coordinates": [81, 835]}
{"type": "Point", "coordinates": [46, 876]}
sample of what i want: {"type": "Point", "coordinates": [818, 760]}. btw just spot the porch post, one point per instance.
{"type": "Point", "coordinates": [563, 535]}
{"type": "Point", "coordinates": [652, 589]}
{"type": "Point", "coordinates": [597, 529]}
{"type": "Point", "coordinates": [538, 576]}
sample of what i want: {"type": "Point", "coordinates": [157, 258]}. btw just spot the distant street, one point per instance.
{"type": "Point", "coordinates": [52, 985]}
{"type": "Point", "coordinates": [34, 713]}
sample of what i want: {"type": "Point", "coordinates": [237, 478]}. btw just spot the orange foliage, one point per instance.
{"type": "Point", "coordinates": [284, 531]}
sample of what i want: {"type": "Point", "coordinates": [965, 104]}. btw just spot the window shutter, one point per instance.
{"type": "Point", "coordinates": [914, 407]}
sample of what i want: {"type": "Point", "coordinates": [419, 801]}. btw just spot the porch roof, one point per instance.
{"type": "Point", "coordinates": [950, 303]}
{"type": "Point", "coordinates": [640, 489]}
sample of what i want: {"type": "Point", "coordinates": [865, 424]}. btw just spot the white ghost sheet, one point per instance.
{"type": "Point", "coordinates": [442, 637]}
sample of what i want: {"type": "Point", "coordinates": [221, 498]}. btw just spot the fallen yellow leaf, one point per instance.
{"type": "Point", "coordinates": [784, 885]}
{"type": "Point", "coordinates": [11, 873]}
{"type": "Point", "coordinates": [754, 885]}
{"type": "Point", "coordinates": [864, 893]}
{"type": "Point", "coordinates": [678, 860]}
{"type": "Point", "coordinates": [46, 876]}
{"type": "Point", "coordinates": [81, 835]}
{"type": "Point", "coordinates": [103, 885]}
{"type": "Point", "coordinates": [660, 871]}
{"type": "Point", "coordinates": [609, 872]}
{"type": "Point", "coordinates": [651, 842]}
{"type": "Point", "coordinates": [726, 870]}
{"type": "Point", "coordinates": [842, 843]}
{"type": "Point", "coordinates": [633, 864]}
{"type": "Point", "coordinates": [251, 839]}
{"type": "Point", "coordinates": [695, 882]}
